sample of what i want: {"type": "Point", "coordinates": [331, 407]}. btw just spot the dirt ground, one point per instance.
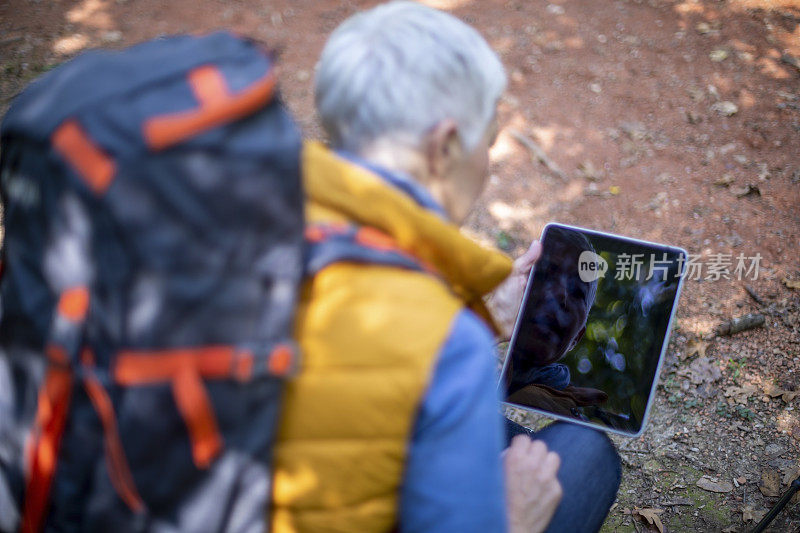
{"type": "Point", "coordinates": [671, 121]}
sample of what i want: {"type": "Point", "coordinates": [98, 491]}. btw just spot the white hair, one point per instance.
{"type": "Point", "coordinates": [397, 70]}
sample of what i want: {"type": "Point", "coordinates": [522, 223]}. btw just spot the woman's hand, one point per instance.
{"type": "Point", "coordinates": [532, 489]}
{"type": "Point", "coordinates": [504, 302]}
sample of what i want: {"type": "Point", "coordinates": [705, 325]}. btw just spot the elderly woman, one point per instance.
{"type": "Point", "coordinates": [393, 421]}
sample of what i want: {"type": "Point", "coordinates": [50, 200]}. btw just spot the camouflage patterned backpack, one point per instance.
{"type": "Point", "coordinates": [151, 259]}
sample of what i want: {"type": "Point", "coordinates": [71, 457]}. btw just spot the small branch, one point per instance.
{"type": "Point", "coordinates": [742, 323]}
{"type": "Point", "coordinates": [538, 153]}
{"type": "Point", "coordinates": [754, 295]}
{"type": "Point", "coordinates": [635, 524]}
{"type": "Point", "coordinates": [789, 60]}
{"type": "Point", "coordinates": [10, 40]}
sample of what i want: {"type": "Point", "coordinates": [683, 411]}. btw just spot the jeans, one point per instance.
{"type": "Point", "coordinates": [590, 474]}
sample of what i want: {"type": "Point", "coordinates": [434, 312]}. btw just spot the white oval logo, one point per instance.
{"type": "Point", "coordinates": [591, 266]}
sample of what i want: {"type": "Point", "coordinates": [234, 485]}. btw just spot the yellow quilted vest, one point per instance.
{"type": "Point", "coordinates": [369, 335]}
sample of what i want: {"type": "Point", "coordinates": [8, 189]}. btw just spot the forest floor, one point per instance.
{"type": "Point", "coordinates": [674, 121]}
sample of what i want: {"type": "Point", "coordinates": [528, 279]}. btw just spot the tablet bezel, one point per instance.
{"type": "Point", "coordinates": [665, 342]}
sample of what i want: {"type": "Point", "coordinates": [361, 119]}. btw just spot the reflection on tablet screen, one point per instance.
{"type": "Point", "coordinates": [590, 334]}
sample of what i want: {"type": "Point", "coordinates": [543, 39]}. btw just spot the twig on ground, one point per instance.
{"type": "Point", "coordinates": [538, 153]}
{"type": "Point", "coordinates": [674, 504]}
{"type": "Point", "coordinates": [10, 40]}
{"type": "Point", "coordinates": [790, 60]}
{"type": "Point", "coordinates": [742, 323]}
{"type": "Point", "coordinates": [635, 524]}
{"type": "Point", "coordinates": [754, 295]}
{"type": "Point", "coordinates": [625, 448]}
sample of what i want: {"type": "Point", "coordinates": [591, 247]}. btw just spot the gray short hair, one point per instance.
{"type": "Point", "coordinates": [397, 70]}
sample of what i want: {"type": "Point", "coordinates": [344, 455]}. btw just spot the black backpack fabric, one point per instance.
{"type": "Point", "coordinates": [151, 259]}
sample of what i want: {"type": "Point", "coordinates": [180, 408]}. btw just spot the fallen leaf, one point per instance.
{"type": "Point", "coordinates": [658, 200]}
{"type": "Point", "coordinates": [791, 475]}
{"type": "Point", "coordinates": [702, 370]}
{"type": "Point", "coordinates": [697, 346]}
{"type": "Point", "coordinates": [742, 480]}
{"type": "Point", "coordinates": [774, 449]}
{"type": "Point", "coordinates": [770, 484]}
{"type": "Point", "coordinates": [749, 190]}
{"type": "Point", "coordinates": [711, 485]}
{"type": "Point", "coordinates": [720, 54]}
{"type": "Point", "coordinates": [763, 172]}
{"type": "Point", "coordinates": [696, 93]}
{"type": "Point", "coordinates": [774, 391]}
{"type": "Point", "coordinates": [651, 516]}
{"type": "Point", "coordinates": [725, 108]}
{"type": "Point", "coordinates": [112, 36]}
{"type": "Point", "coordinates": [749, 514]}
{"type": "Point", "coordinates": [740, 394]}
{"type": "Point", "coordinates": [693, 118]}
{"type": "Point", "coordinates": [792, 283]}
{"type": "Point", "coordinates": [724, 181]}
{"type": "Point", "coordinates": [592, 190]}
{"type": "Point", "coordinates": [588, 171]}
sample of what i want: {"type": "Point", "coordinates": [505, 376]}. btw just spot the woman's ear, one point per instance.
{"type": "Point", "coordinates": [443, 149]}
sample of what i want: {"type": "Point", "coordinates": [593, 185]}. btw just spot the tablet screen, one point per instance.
{"type": "Point", "coordinates": [592, 328]}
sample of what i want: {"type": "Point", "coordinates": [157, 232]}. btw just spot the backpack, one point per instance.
{"type": "Point", "coordinates": [152, 254]}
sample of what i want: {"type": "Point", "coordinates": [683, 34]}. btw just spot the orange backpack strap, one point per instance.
{"type": "Point", "coordinates": [185, 369]}
{"type": "Point", "coordinates": [117, 463]}
{"type": "Point", "coordinates": [51, 413]}
{"type": "Point", "coordinates": [217, 106]}
{"type": "Point", "coordinates": [42, 452]}
{"type": "Point", "coordinates": [91, 163]}
{"type": "Point", "coordinates": [330, 243]}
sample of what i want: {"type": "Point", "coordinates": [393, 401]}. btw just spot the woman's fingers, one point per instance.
{"type": "Point", "coordinates": [550, 465]}
{"type": "Point", "coordinates": [524, 262]}
{"type": "Point", "coordinates": [532, 488]}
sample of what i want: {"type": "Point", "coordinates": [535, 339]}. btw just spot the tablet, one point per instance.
{"type": "Point", "coordinates": [592, 328]}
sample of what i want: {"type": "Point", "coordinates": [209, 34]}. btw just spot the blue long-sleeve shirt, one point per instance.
{"type": "Point", "coordinates": [453, 479]}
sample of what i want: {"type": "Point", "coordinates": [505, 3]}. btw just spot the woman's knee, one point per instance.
{"type": "Point", "coordinates": [606, 453]}
{"type": "Point", "coordinates": [590, 475]}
